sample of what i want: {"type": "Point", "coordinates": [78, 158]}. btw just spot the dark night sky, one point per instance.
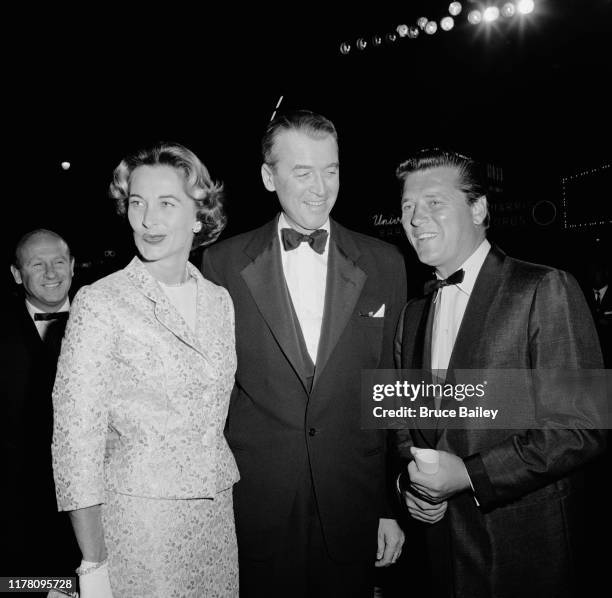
{"type": "Point", "coordinates": [89, 87]}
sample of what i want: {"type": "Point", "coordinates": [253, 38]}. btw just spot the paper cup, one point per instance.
{"type": "Point", "coordinates": [427, 460]}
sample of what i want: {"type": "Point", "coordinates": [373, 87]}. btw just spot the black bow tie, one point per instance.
{"type": "Point", "coordinates": [434, 285]}
{"type": "Point", "coordinates": [52, 315]}
{"type": "Point", "coordinates": [292, 239]}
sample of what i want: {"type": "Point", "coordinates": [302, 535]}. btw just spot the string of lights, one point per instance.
{"type": "Point", "coordinates": [565, 203]}
{"type": "Point", "coordinates": [483, 14]}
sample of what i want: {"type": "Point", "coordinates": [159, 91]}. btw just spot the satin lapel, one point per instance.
{"type": "Point", "coordinates": [266, 282]}
{"type": "Point", "coordinates": [471, 330]}
{"type": "Point", "coordinates": [428, 317]}
{"type": "Point", "coordinates": [429, 435]}
{"type": "Point", "coordinates": [344, 283]}
{"type": "Point", "coordinates": [414, 352]}
{"type": "Point", "coordinates": [482, 297]}
{"type": "Point", "coordinates": [164, 311]}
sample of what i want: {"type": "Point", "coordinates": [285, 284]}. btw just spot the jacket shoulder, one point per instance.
{"type": "Point", "coordinates": [534, 273]}
{"type": "Point", "coordinates": [234, 244]}
{"type": "Point", "coordinates": [104, 288]}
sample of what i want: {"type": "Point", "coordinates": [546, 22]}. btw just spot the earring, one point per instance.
{"type": "Point", "coordinates": [197, 227]}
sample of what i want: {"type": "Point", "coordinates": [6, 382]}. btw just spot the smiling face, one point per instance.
{"type": "Point", "coordinates": [440, 224]}
{"type": "Point", "coordinates": [163, 218]}
{"type": "Point", "coordinates": [305, 177]}
{"type": "Point", "coordinates": [45, 270]}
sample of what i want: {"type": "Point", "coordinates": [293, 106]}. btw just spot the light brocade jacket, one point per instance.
{"type": "Point", "coordinates": [131, 366]}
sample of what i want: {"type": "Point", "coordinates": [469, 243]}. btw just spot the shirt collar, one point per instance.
{"type": "Point", "coordinates": [282, 223]}
{"type": "Point", "coordinates": [32, 309]}
{"type": "Point", "coordinates": [471, 267]}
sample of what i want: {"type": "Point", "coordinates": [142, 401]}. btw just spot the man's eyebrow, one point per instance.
{"type": "Point", "coordinates": [310, 167]}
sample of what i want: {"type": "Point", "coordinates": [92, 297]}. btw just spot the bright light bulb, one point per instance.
{"type": "Point", "coordinates": [421, 22]}
{"type": "Point", "coordinates": [362, 43]}
{"type": "Point", "coordinates": [402, 30]}
{"type": "Point", "coordinates": [508, 10]}
{"type": "Point", "coordinates": [447, 23]}
{"type": "Point", "coordinates": [490, 14]}
{"type": "Point", "coordinates": [413, 32]}
{"type": "Point", "coordinates": [454, 8]}
{"type": "Point", "coordinates": [525, 6]}
{"type": "Point", "coordinates": [474, 17]}
{"type": "Point", "coordinates": [431, 27]}
{"type": "Point", "coordinates": [65, 165]}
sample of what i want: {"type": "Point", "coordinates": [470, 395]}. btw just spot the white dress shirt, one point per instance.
{"type": "Point", "coordinates": [306, 275]}
{"type": "Point", "coordinates": [42, 325]}
{"type": "Point", "coordinates": [450, 304]}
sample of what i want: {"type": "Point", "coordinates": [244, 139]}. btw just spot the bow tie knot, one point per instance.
{"type": "Point", "coordinates": [434, 285]}
{"type": "Point", "coordinates": [292, 239]}
{"type": "Point", "coordinates": [52, 315]}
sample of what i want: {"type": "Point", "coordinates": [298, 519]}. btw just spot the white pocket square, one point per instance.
{"type": "Point", "coordinates": [380, 313]}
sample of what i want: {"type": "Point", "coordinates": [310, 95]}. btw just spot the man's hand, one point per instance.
{"type": "Point", "coordinates": [452, 477]}
{"type": "Point", "coordinates": [390, 542]}
{"type": "Point", "coordinates": [424, 511]}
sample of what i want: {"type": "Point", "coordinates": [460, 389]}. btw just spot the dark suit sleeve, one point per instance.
{"type": "Point", "coordinates": [208, 269]}
{"type": "Point", "coordinates": [561, 335]}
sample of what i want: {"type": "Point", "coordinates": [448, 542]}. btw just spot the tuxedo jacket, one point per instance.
{"type": "Point", "coordinates": [519, 541]}
{"type": "Point", "coordinates": [280, 423]}
{"type": "Point", "coordinates": [29, 511]}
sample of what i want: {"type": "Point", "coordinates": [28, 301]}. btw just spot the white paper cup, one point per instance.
{"type": "Point", "coordinates": [427, 460]}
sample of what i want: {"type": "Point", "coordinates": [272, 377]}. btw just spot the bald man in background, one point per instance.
{"type": "Point", "coordinates": [39, 539]}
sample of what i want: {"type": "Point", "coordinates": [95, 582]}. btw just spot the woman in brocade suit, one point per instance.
{"type": "Point", "coordinates": [148, 360]}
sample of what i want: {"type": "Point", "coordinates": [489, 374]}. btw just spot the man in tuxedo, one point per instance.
{"type": "Point", "coordinates": [315, 303]}
{"type": "Point", "coordinates": [501, 508]}
{"type": "Point", "coordinates": [39, 539]}
{"type": "Point", "coordinates": [599, 299]}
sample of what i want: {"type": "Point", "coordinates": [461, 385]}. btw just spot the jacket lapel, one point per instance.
{"type": "Point", "coordinates": [345, 281]}
{"type": "Point", "coordinates": [416, 352]}
{"type": "Point", "coordinates": [480, 302]}
{"type": "Point", "coordinates": [164, 311]}
{"type": "Point", "coordinates": [429, 435]}
{"type": "Point", "coordinates": [416, 335]}
{"type": "Point", "coordinates": [266, 282]}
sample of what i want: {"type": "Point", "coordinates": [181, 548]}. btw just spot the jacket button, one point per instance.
{"type": "Point", "coordinates": [312, 432]}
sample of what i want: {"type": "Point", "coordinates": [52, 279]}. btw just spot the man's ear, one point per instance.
{"type": "Point", "coordinates": [71, 266]}
{"type": "Point", "coordinates": [267, 176]}
{"type": "Point", "coordinates": [16, 274]}
{"type": "Point", "coordinates": [479, 210]}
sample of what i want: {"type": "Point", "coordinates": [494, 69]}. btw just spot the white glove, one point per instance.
{"type": "Point", "coordinates": [94, 581]}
